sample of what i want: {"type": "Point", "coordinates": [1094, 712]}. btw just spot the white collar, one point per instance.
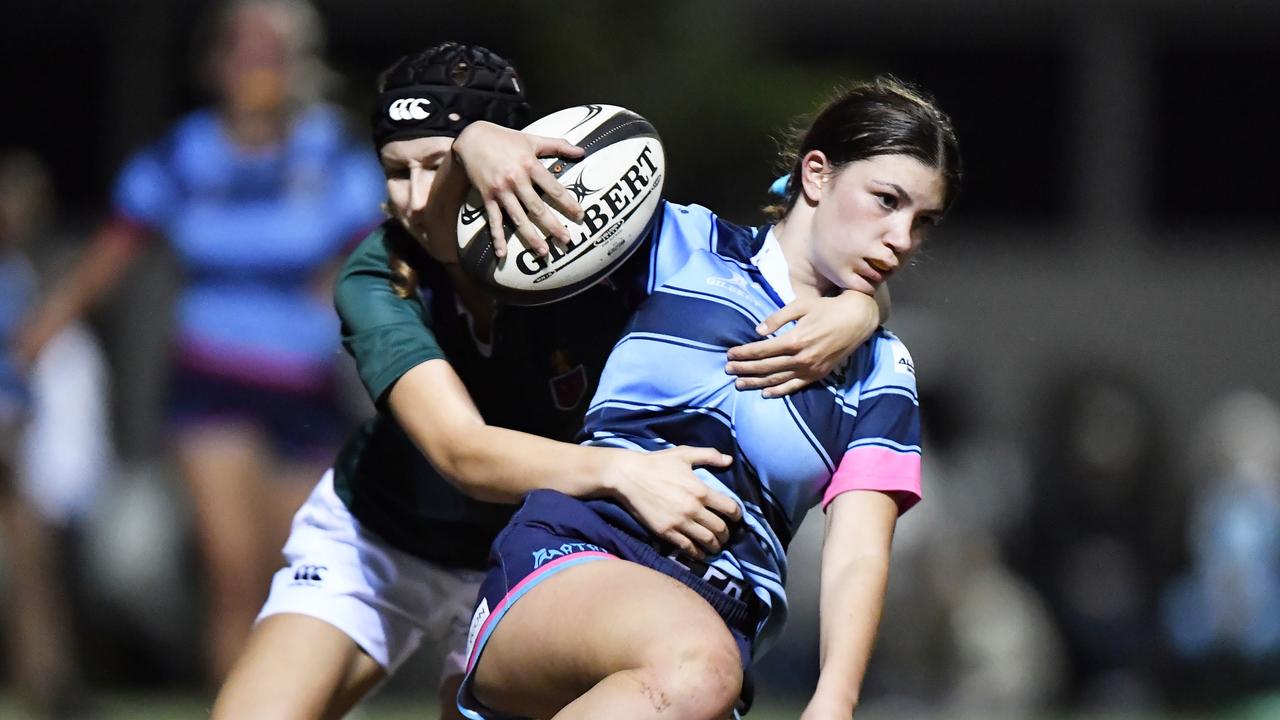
{"type": "Point", "coordinates": [773, 266]}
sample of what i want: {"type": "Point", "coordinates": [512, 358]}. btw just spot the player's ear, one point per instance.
{"type": "Point", "coordinates": [815, 171]}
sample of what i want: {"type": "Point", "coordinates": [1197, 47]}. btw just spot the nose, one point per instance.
{"type": "Point", "coordinates": [898, 237]}
{"type": "Point", "coordinates": [419, 189]}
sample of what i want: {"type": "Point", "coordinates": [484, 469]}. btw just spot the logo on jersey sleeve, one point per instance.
{"type": "Point", "coordinates": [902, 360]}
{"type": "Point", "coordinates": [407, 109]}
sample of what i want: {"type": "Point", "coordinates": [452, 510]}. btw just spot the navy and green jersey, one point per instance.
{"type": "Point", "coordinates": [537, 376]}
{"type": "Point", "coordinates": [664, 385]}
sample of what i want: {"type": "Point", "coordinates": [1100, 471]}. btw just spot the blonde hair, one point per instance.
{"type": "Point", "coordinates": [299, 25]}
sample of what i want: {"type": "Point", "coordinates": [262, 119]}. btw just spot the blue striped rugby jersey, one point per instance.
{"type": "Point", "coordinates": [665, 385]}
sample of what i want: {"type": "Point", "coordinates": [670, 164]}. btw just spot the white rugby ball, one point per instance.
{"type": "Point", "coordinates": [618, 182]}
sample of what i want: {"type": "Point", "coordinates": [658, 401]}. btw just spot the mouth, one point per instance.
{"type": "Point", "coordinates": [882, 268]}
{"type": "Point", "coordinates": [874, 272]}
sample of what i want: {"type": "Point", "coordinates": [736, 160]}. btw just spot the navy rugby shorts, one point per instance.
{"type": "Point", "coordinates": [300, 425]}
{"type": "Point", "coordinates": [552, 532]}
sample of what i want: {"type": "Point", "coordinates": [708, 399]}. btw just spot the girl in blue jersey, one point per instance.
{"type": "Point", "coordinates": [257, 197]}
{"type": "Point", "coordinates": [389, 549]}
{"type": "Point", "coordinates": [661, 633]}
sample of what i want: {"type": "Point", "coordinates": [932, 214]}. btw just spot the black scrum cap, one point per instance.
{"type": "Point", "coordinates": [442, 89]}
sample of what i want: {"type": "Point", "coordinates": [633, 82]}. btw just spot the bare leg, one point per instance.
{"type": "Point", "coordinates": [613, 639]}
{"type": "Point", "coordinates": [39, 623]}
{"type": "Point", "coordinates": [225, 468]}
{"type": "Point", "coordinates": [449, 698]}
{"type": "Point", "coordinates": [296, 667]}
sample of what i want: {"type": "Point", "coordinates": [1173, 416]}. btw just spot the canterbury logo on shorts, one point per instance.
{"type": "Point", "coordinates": [409, 109]}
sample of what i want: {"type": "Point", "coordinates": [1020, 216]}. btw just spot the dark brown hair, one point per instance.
{"type": "Point", "coordinates": [884, 116]}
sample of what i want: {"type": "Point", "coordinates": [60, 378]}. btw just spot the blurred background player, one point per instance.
{"type": "Point", "coordinates": [55, 455]}
{"type": "Point", "coordinates": [257, 196]}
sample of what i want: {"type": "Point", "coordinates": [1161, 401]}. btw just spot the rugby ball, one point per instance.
{"type": "Point", "coordinates": [618, 182]}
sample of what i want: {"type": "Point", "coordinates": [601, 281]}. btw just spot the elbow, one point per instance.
{"type": "Point", "coordinates": [459, 460]}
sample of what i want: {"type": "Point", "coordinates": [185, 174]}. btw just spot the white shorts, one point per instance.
{"type": "Point", "coordinates": [383, 598]}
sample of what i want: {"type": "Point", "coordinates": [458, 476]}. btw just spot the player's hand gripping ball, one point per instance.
{"type": "Point", "coordinates": [618, 183]}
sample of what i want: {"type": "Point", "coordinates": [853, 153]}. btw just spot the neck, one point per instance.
{"type": "Point", "coordinates": [255, 129]}
{"type": "Point", "coordinates": [477, 302]}
{"type": "Point", "coordinates": [793, 236]}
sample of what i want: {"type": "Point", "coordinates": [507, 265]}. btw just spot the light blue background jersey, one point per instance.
{"type": "Point", "coordinates": [252, 230]}
{"type": "Point", "coordinates": [665, 385]}
{"type": "Point", "coordinates": [17, 292]}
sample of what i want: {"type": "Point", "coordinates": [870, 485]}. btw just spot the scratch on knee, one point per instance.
{"type": "Point", "coordinates": [654, 694]}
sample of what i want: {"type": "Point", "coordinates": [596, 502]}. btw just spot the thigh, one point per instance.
{"type": "Point", "coordinates": [297, 666]}
{"type": "Point", "coordinates": [587, 622]}
{"type": "Point", "coordinates": [224, 467]}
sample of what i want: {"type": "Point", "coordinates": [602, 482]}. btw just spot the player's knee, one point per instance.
{"type": "Point", "coordinates": [701, 675]}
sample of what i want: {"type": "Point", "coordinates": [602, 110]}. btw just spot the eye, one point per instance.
{"type": "Point", "coordinates": [397, 173]}
{"type": "Point", "coordinates": [926, 221]}
{"type": "Point", "coordinates": [888, 201]}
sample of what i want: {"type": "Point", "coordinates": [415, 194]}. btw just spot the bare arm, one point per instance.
{"type": "Point", "coordinates": [855, 572]}
{"type": "Point", "coordinates": [499, 465]}
{"type": "Point", "coordinates": [99, 269]}
{"type": "Point", "coordinates": [828, 330]}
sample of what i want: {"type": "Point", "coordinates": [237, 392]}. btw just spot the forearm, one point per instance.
{"type": "Point", "coordinates": [855, 573]}
{"type": "Point", "coordinates": [500, 465]}
{"type": "Point", "coordinates": [441, 214]}
{"type": "Point", "coordinates": [851, 605]}
{"type": "Point", "coordinates": [96, 273]}
{"type": "Point", "coordinates": [486, 462]}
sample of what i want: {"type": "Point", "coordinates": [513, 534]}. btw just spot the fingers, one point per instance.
{"type": "Point", "coordinates": [716, 525]}
{"type": "Point", "coordinates": [557, 195]}
{"type": "Point", "coordinates": [793, 311]}
{"type": "Point", "coordinates": [497, 233]}
{"type": "Point", "coordinates": [703, 538]}
{"type": "Point", "coordinates": [542, 216]}
{"type": "Point", "coordinates": [546, 147]}
{"type": "Point", "coordinates": [701, 456]}
{"type": "Point", "coordinates": [722, 504]}
{"type": "Point", "coordinates": [765, 381]}
{"type": "Point", "coordinates": [524, 228]}
{"type": "Point", "coordinates": [787, 344]}
{"type": "Point", "coordinates": [784, 359]}
{"type": "Point", "coordinates": [683, 544]}
{"type": "Point", "coordinates": [786, 388]}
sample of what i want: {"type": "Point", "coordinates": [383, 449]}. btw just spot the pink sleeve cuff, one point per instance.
{"type": "Point", "coordinates": [881, 469]}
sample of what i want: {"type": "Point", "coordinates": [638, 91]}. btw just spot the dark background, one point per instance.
{"type": "Point", "coordinates": [1118, 217]}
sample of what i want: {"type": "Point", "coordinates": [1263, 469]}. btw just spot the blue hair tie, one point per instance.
{"type": "Point", "coordinates": [779, 186]}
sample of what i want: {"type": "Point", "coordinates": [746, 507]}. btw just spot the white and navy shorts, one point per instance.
{"type": "Point", "coordinates": [383, 598]}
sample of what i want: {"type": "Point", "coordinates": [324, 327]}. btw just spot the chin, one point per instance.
{"type": "Point", "coordinates": [860, 284]}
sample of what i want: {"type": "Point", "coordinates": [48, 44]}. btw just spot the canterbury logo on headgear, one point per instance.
{"type": "Point", "coordinates": [406, 109]}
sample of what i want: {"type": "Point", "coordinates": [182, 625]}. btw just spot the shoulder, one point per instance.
{"type": "Point", "coordinates": [701, 227]}
{"type": "Point", "coordinates": [197, 132]}
{"type": "Point", "coordinates": [151, 182]}
{"type": "Point", "coordinates": [323, 126]}
{"type": "Point", "coordinates": [887, 363]}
